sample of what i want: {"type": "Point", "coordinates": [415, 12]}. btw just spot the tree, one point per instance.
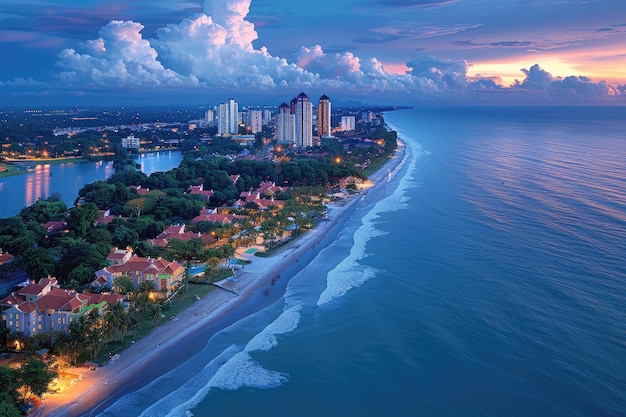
{"type": "Point", "coordinates": [211, 270]}
{"type": "Point", "coordinates": [43, 211]}
{"type": "Point", "coordinates": [124, 236]}
{"type": "Point", "coordinates": [7, 406]}
{"type": "Point", "coordinates": [156, 312]}
{"type": "Point", "coordinates": [188, 251]}
{"type": "Point", "coordinates": [82, 274]}
{"type": "Point", "coordinates": [80, 253]}
{"type": "Point", "coordinates": [35, 376]}
{"type": "Point", "coordinates": [36, 262]}
{"type": "Point", "coordinates": [123, 284]}
{"type": "Point", "coordinates": [9, 383]}
{"type": "Point", "coordinates": [82, 218]}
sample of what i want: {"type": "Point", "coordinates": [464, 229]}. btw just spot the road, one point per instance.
{"type": "Point", "coordinates": [7, 284]}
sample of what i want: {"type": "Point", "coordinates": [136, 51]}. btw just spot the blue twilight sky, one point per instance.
{"type": "Point", "coordinates": [113, 52]}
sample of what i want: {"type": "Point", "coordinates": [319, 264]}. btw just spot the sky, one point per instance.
{"type": "Point", "coordinates": [392, 52]}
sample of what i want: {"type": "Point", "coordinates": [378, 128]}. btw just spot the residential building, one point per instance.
{"type": "Point", "coordinates": [162, 273]}
{"type": "Point", "coordinates": [228, 118]}
{"type": "Point", "coordinates": [348, 123]}
{"type": "Point", "coordinates": [367, 116]}
{"type": "Point", "coordinates": [285, 125]}
{"type": "Point", "coordinates": [130, 142]}
{"type": "Point", "coordinates": [45, 307]}
{"type": "Point", "coordinates": [303, 112]}
{"type": "Point", "coordinates": [323, 116]}
{"type": "Point", "coordinates": [254, 121]}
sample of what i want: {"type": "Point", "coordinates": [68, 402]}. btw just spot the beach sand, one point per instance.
{"type": "Point", "coordinates": [260, 284]}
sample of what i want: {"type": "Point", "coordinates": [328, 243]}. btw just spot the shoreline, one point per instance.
{"type": "Point", "coordinates": [262, 283]}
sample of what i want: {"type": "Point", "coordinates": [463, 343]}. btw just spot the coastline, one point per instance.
{"type": "Point", "coordinates": [262, 283]}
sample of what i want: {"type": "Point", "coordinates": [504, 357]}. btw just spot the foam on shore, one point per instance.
{"type": "Point", "coordinates": [350, 273]}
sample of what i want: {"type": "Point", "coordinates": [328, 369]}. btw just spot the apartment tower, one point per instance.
{"type": "Point", "coordinates": [285, 125]}
{"type": "Point", "coordinates": [303, 112]}
{"type": "Point", "coordinates": [323, 116]}
{"type": "Point", "coordinates": [228, 118]}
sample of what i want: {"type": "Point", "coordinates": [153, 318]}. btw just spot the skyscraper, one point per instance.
{"type": "Point", "coordinates": [303, 111]}
{"type": "Point", "coordinates": [228, 118]}
{"type": "Point", "coordinates": [285, 125]}
{"type": "Point", "coordinates": [323, 116]}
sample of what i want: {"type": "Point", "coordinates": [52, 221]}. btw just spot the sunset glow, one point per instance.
{"type": "Point", "coordinates": [437, 51]}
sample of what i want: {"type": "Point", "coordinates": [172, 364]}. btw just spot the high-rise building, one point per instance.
{"type": "Point", "coordinates": [303, 112]}
{"type": "Point", "coordinates": [254, 120]}
{"type": "Point", "coordinates": [267, 116]}
{"type": "Point", "coordinates": [228, 118]}
{"type": "Point", "coordinates": [347, 123]}
{"type": "Point", "coordinates": [285, 125]}
{"type": "Point", "coordinates": [323, 116]}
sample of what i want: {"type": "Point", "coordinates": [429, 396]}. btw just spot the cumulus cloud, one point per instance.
{"type": "Point", "coordinates": [214, 49]}
{"type": "Point", "coordinates": [120, 56]}
{"type": "Point", "coordinates": [568, 88]}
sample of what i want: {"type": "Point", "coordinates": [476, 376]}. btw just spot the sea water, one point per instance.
{"type": "Point", "coordinates": [486, 278]}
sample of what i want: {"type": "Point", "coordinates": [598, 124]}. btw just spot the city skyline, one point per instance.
{"type": "Point", "coordinates": [410, 52]}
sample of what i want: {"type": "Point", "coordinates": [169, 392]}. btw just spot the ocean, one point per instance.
{"type": "Point", "coordinates": [487, 277]}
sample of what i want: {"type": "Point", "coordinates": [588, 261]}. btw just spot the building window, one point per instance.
{"type": "Point", "coordinates": [59, 320]}
{"type": "Point", "coordinates": [40, 326]}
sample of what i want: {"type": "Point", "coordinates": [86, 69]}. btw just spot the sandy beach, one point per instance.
{"type": "Point", "coordinates": [260, 284]}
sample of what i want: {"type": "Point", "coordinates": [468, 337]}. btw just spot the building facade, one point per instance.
{"type": "Point", "coordinates": [255, 121]}
{"type": "Point", "coordinates": [348, 123]}
{"type": "Point", "coordinates": [303, 113]}
{"type": "Point", "coordinates": [45, 307]}
{"type": "Point", "coordinates": [285, 125]}
{"type": "Point", "coordinates": [228, 118]}
{"type": "Point", "coordinates": [323, 116]}
{"type": "Point", "coordinates": [130, 142]}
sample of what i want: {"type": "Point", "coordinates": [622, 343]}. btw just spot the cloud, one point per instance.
{"type": "Point", "coordinates": [447, 74]}
{"type": "Point", "coordinates": [120, 56]}
{"type": "Point", "coordinates": [566, 89]}
{"type": "Point", "coordinates": [214, 50]}
{"type": "Point", "coordinates": [417, 3]}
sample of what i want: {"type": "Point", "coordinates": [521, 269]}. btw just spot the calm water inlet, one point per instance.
{"type": "Point", "coordinates": [67, 179]}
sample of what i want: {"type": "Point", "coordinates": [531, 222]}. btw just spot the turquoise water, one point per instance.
{"type": "Point", "coordinates": [486, 279]}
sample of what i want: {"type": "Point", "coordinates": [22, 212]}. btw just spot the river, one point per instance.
{"type": "Point", "coordinates": [68, 178]}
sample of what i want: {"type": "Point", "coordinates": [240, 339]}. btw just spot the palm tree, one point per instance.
{"type": "Point", "coordinates": [188, 251]}
{"type": "Point", "coordinates": [155, 312]}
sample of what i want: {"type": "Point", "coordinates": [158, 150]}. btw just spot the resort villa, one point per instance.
{"type": "Point", "coordinates": [164, 274]}
{"type": "Point", "coordinates": [45, 307]}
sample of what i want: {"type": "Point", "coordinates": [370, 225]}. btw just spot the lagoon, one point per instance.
{"type": "Point", "coordinates": [67, 179]}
